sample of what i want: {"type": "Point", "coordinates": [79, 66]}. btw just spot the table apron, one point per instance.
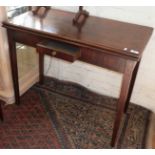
{"type": "Point", "coordinates": [88, 55]}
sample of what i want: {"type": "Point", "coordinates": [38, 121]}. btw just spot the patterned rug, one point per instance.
{"type": "Point", "coordinates": [60, 114]}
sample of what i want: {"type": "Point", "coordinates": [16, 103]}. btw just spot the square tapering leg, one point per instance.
{"type": "Point", "coordinates": [1, 112]}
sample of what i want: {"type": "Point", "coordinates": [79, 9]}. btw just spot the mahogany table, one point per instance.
{"type": "Point", "coordinates": [107, 43]}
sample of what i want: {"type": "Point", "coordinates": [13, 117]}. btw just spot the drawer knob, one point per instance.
{"type": "Point", "coordinates": [54, 53]}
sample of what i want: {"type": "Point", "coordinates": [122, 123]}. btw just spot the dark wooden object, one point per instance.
{"type": "Point", "coordinates": [80, 17]}
{"type": "Point", "coordinates": [1, 112]}
{"type": "Point", "coordinates": [40, 10]}
{"type": "Point", "coordinates": [107, 43]}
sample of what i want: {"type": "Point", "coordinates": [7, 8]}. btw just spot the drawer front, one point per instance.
{"type": "Point", "coordinates": [56, 54]}
{"type": "Point", "coordinates": [103, 59]}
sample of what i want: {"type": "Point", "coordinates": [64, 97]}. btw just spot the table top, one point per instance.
{"type": "Point", "coordinates": [119, 37]}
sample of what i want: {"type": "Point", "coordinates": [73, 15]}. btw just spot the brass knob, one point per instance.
{"type": "Point", "coordinates": [54, 53]}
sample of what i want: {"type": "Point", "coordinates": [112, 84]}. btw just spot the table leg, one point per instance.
{"type": "Point", "coordinates": [131, 87]}
{"type": "Point", "coordinates": [41, 65]}
{"type": "Point", "coordinates": [1, 112]}
{"type": "Point", "coordinates": [127, 80]}
{"type": "Point", "coordinates": [14, 69]}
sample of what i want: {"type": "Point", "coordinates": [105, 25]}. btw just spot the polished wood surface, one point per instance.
{"type": "Point", "coordinates": [97, 32]}
{"type": "Point", "coordinates": [115, 45]}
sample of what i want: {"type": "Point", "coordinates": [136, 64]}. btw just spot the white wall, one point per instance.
{"type": "Point", "coordinates": [107, 82]}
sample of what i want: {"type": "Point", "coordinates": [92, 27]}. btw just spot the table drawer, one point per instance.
{"type": "Point", "coordinates": [60, 50]}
